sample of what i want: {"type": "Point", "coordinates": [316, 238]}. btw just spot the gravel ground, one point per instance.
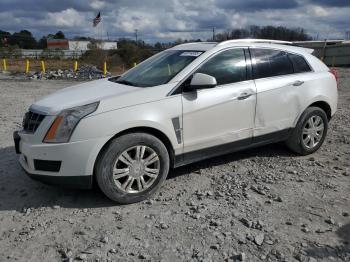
{"type": "Point", "coordinates": [263, 204]}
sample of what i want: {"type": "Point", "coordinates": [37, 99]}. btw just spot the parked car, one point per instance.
{"type": "Point", "coordinates": [188, 103]}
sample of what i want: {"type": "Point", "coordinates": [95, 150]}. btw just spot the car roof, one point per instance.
{"type": "Point", "coordinates": [262, 43]}
{"type": "Point", "coordinates": [197, 46]}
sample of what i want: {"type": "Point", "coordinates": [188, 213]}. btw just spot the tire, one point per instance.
{"type": "Point", "coordinates": [297, 140]}
{"type": "Point", "coordinates": [113, 160]}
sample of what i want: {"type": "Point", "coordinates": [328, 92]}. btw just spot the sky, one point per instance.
{"type": "Point", "coordinates": [168, 20]}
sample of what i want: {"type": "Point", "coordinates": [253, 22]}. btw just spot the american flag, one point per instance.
{"type": "Point", "coordinates": [96, 20]}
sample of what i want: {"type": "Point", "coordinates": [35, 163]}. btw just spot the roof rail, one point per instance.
{"type": "Point", "coordinates": [249, 40]}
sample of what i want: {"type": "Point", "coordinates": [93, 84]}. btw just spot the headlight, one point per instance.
{"type": "Point", "coordinates": [64, 124]}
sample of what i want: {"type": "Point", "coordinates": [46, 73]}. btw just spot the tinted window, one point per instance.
{"type": "Point", "coordinates": [299, 63]}
{"type": "Point", "coordinates": [227, 67]}
{"type": "Point", "coordinates": [270, 63]}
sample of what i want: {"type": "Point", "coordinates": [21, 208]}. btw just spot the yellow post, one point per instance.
{"type": "Point", "coordinates": [4, 64]}
{"type": "Point", "coordinates": [75, 66]}
{"type": "Point", "coordinates": [333, 61]}
{"type": "Point", "coordinates": [134, 64]}
{"type": "Point", "coordinates": [43, 69]}
{"type": "Point", "coordinates": [105, 68]}
{"type": "Point", "coordinates": [27, 66]}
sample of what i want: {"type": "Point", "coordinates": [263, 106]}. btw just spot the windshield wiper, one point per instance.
{"type": "Point", "coordinates": [125, 82]}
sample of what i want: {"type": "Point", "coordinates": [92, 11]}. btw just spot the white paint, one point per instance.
{"type": "Point", "coordinates": [78, 45]}
{"type": "Point", "coordinates": [210, 116]}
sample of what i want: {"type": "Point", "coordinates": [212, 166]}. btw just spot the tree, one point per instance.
{"type": "Point", "coordinates": [24, 39]}
{"type": "Point", "coordinates": [4, 37]}
{"type": "Point", "coordinates": [59, 35]}
{"type": "Point", "coordinates": [42, 44]}
{"type": "Point", "coordinates": [266, 32]}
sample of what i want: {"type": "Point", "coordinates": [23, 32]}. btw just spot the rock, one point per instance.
{"type": "Point", "coordinates": [82, 256]}
{"type": "Point", "coordinates": [56, 207]}
{"type": "Point", "coordinates": [259, 239]}
{"type": "Point", "coordinates": [305, 230]}
{"type": "Point", "coordinates": [215, 247]}
{"type": "Point", "coordinates": [113, 251]}
{"type": "Point", "coordinates": [278, 199]}
{"type": "Point", "coordinates": [242, 256]}
{"type": "Point", "coordinates": [246, 222]}
{"type": "Point", "coordinates": [214, 223]}
{"type": "Point", "coordinates": [104, 239]}
{"type": "Point", "coordinates": [345, 214]}
{"type": "Point", "coordinates": [210, 193]}
{"type": "Point", "coordinates": [330, 221]}
{"type": "Point", "coordinates": [278, 254]}
{"type": "Point", "coordinates": [163, 226]}
{"type": "Point", "coordinates": [66, 253]}
{"type": "Point", "coordinates": [149, 202]}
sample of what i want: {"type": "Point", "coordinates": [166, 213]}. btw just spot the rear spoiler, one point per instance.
{"type": "Point", "coordinates": [308, 50]}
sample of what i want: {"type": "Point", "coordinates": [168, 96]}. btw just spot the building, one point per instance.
{"type": "Point", "coordinates": [78, 45]}
{"type": "Point", "coordinates": [332, 52]}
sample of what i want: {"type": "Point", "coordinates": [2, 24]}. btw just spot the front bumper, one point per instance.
{"type": "Point", "coordinates": [67, 164]}
{"type": "Point", "coordinates": [76, 182]}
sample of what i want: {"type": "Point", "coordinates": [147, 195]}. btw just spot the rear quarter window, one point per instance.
{"type": "Point", "coordinates": [268, 63]}
{"type": "Point", "coordinates": [299, 63]}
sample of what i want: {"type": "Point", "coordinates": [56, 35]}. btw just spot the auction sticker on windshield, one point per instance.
{"type": "Point", "coordinates": [191, 53]}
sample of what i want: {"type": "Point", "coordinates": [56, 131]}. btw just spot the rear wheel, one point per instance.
{"type": "Point", "coordinates": [132, 167]}
{"type": "Point", "coordinates": [310, 132]}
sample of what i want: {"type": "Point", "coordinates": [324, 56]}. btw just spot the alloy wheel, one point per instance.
{"type": "Point", "coordinates": [313, 132]}
{"type": "Point", "coordinates": [136, 169]}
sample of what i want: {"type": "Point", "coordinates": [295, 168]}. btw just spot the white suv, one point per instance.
{"type": "Point", "coordinates": [188, 103]}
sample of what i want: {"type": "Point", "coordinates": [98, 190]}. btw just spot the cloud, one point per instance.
{"type": "Point", "coordinates": [67, 18]}
{"type": "Point", "coordinates": [332, 3]}
{"type": "Point", "coordinates": [254, 5]}
{"type": "Point", "coordinates": [159, 20]}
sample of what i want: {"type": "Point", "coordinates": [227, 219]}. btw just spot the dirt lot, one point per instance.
{"type": "Point", "coordinates": [263, 204]}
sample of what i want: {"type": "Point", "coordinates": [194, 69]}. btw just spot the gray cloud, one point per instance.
{"type": "Point", "coordinates": [332, 3]}
{"type": "Point", "coordinates": [159, 20]}
{"type": "Point", "coordinates": [253, 5]}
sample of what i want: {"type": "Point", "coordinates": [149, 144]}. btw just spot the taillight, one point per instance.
{"type": "Point", "coordinates": [335, 73]}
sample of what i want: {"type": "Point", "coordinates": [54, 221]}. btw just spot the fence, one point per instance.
{"type": "Point", "coordinates": [39, 53]}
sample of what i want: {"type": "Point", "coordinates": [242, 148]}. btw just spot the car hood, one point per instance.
{"type": "Point", "coordinates": [99, 90]}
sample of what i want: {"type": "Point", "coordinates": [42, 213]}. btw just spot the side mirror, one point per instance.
{"type": "Point", "coordinates": [201, 81]}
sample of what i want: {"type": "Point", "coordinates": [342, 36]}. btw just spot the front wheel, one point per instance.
{"type": "Point", "coordinates": [132, 167]}
{"type": "Point", "coordinates": [310, 132]}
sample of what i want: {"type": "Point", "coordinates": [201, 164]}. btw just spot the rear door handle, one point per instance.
{"type": "Point", "coordinates": [243, 96]}
{"type": "Point", "coordinates": [298, 83]}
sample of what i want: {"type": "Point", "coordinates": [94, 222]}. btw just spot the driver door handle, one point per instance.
{"type": "Point", "coordinates": [298, 83]}
{"type": "Point", "coordinates": [243, 96]}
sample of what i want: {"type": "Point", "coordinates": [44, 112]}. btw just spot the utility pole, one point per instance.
{"type": "Point", "coordinates": [136, 35]}
{"type": "Point", "coordinates": [213, 33]}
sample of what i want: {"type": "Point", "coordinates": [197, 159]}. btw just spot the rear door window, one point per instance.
{"type": "Point", "coordinates": [268, 63]}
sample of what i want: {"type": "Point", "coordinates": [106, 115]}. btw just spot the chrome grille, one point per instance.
{"type": "Point", "coordinates": [31, 121]}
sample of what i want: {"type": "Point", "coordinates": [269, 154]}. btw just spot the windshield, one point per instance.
{"type": "Point", "coordinates": [159, 69]}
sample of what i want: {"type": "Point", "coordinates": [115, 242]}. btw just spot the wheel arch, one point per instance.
{"type": "Point", "coordinates": [324, 106]}
{"type": "Point", "coordinates": [141, 129]}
